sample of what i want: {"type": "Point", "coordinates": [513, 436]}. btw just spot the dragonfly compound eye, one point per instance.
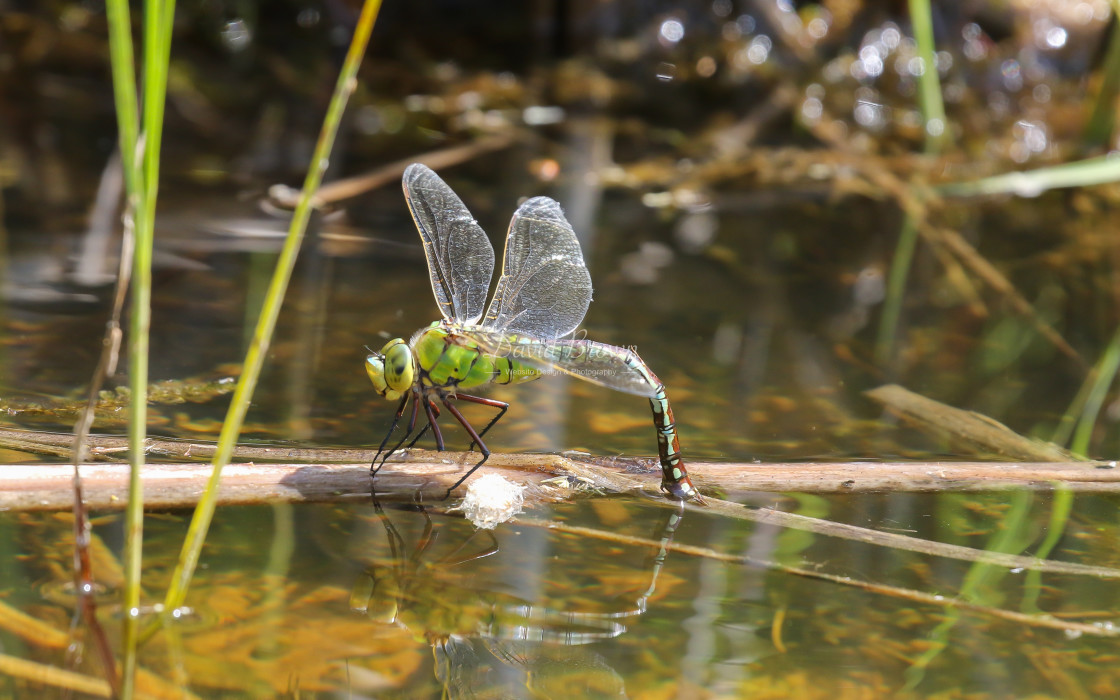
{"type": "Point", "coordinates": [375, 368]}
{"type": "Point", "coordinates": [390, 370]}
{"type": "Point", "coordinates": [398, 366]}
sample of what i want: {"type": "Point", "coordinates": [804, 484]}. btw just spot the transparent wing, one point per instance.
{"type": "Point", "coordinates": [460, 257]}
{"type": "Point", "coordinates": [616, 368]}
{"type": "Point", "coordinates": [545, 288]}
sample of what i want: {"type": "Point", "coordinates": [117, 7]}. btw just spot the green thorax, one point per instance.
{"type": "Point", "coordinates": [447, 357]}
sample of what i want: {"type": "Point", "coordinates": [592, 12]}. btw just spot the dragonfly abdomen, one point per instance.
{"type": "Point", "coordinates": [510, 371]}
{"type": "Point", "coordinates": [674, 475]}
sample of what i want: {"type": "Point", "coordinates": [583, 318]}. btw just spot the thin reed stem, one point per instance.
{"type": "Point", "coordinates": [936, 135]}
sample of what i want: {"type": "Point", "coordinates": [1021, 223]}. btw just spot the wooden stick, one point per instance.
{"type": "Point", "coordinates": [47, 486]}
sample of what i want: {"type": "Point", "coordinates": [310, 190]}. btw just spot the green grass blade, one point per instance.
{"type": "Point", "coordinates": [121, 56]}
{"type": "Point", "coordinates": [980, 584]}
{"type": "Point", "coordinates": [158, 19]}
{"type": "Point", "coordinates": [262, 336]}
{"type": "Point", "coordinates": [1105, 374]}
{"type": "Point", "coordinates": [124, 89]}
{"type": "Point", "coordinates": [1092, 390]}
{"type": "Point", "coordinates": [1031, 183]}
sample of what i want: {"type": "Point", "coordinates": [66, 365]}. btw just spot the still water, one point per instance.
{"type": "Point", "coordinates": [357, 601]}
{"type": "Point", "coordinates": [604, 596]}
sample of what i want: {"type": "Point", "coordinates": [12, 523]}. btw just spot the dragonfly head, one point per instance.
{"type": "Point", "coordinates": [391, 370]}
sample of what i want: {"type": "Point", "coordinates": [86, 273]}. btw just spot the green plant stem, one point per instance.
{"type": "Point", "coordinates": [258, 347]}
{"type": "Point", "coordinates": [1093, 388]}
{"type": "Point", "coordinates": [980, 583]}
{"type": "Point", "coordinates": [124, 89]}
{"type": "Point", "coordinates": [124, 94]}
{"type": "Point", "coordinates": [929, 83]}
{"type": "Point", "coordinates": [936, 133]}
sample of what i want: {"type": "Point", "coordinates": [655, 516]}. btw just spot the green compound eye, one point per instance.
{"type": "Point", "coordinates": [391, 370]}
{"type": "Point", "coordinates": [398, 365]}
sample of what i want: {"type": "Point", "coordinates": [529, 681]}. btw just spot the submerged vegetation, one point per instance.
{"type": "Point", "coordinates": [801, 213]}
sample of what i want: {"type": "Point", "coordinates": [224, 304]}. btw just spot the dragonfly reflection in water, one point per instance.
{"type": "Point", "coordinates": [541, 297]}
{"type": "Point", "coordinates": [487, 643]}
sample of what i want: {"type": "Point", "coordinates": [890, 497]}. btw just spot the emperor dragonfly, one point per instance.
{"type": "Point", "coordinates": [541, 297]}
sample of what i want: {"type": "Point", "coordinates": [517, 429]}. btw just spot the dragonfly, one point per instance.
{"type": "Point", "coordinates": [525, 332]}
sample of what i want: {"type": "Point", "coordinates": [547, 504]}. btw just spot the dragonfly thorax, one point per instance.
{"type": "Point", "coordinates": [448, 358]}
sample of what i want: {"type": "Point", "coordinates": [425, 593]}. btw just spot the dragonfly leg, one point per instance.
{"type": "Point", "coordinates": [374, 467]}
{"type": "Point", "coordinates": [502, 407]}
{"type": "Point", "coordinates": [396, 542]}
{"type": "Point", "coordinates": [433, 413]}
{"type": "Point", "coordinates": [423, 430]}
{"type": "Point", "coordinates": [475, 438]}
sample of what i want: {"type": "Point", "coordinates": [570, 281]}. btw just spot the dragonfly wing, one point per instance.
{"type": "Point", "coordinates": [606, 365]}
{"type": "Point", "coordinates": [545, 288]}
{"type": "Point", "coordinates": [460, 257]}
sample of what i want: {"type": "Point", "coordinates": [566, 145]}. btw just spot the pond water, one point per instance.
{"type": "Point", "coordinates": [746, 258]}
{"type": "Point", "coordinates": [373, 601]}
{"type": "Point", "coordinates": [363, 602]}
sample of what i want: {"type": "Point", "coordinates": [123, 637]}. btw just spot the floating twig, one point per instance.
{"type": "Point", "coordinates": [968, 427]}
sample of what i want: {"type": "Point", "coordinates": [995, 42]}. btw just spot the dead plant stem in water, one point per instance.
{"type": "Point", "coordinates": [106, 366]}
